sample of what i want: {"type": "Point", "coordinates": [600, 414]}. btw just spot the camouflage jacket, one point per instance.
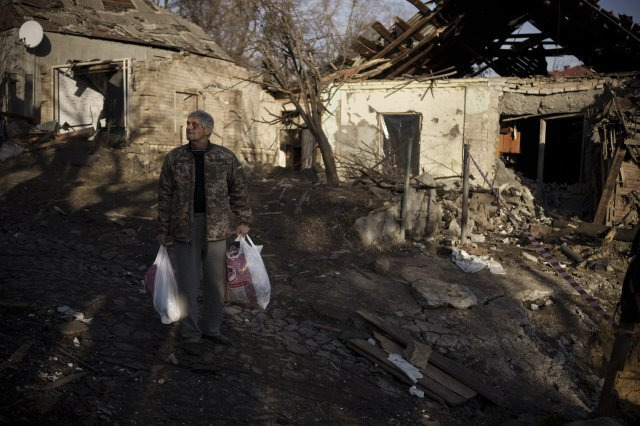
{"type": "Point", "coordinates": [225, 192]}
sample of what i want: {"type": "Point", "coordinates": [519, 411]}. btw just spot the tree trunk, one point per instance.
{"type": "Point", "coordinates": [329, 161]}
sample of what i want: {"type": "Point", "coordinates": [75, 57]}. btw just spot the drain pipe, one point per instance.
{"type": "Point", "coordinates": [465, 196]}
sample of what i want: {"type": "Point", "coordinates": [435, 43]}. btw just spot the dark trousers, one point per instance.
{"type": "Point", "coordinates": [200, 263]}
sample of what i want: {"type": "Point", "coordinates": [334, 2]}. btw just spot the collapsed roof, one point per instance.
{"type": "Point", "coordinates": [465, 37]}
{"type": "Point", "coordinates": [128, 21]}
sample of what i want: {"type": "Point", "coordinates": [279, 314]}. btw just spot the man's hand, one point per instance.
{"type": "Point", "coordinates": [242, 230]}
{"type": "Point", "coordinates": [163, 239]}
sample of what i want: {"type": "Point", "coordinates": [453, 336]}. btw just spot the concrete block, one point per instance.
{"type": "Point", "coordinates": [417, 354]}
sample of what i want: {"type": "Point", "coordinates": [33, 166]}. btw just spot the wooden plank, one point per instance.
{"type": "Point", "coordinates": [405, 35]}
{"type": "Point", "coordinates": [610, 183]}
{"type": "Point", "coordinates": [388, 366]}
{"type": "Point", "coordinates": [374, 47]}
{"type": "Point", "coordinates": [394, 332]}
{"type": "Point", "coordinates": [417, 54]}
{"type": "Point", "coordinates": [447, 381]}
{"type": "Point", "coordinates": [404, 26]}
{"type": "Point", "coordinates": [420, 6]}
{"type": "Point", "coordinates": [470, 378]}
{"type": "Point", "coordinates": [387, 344]}
{"type": "Point", "coordinates": [383, 31]}
{"type": "Point", "coordinates": [362, 50]}
{"type": "Point", "coordinates": [18, 355]}
{"type": "Point", "coordinates": [430, 386]}
{"type": "Point", "coordinates": [541, 148]}
{"type": "Point", "coordinates": [430, 370]}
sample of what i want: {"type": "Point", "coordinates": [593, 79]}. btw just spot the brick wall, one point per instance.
{"type": "Point", "coordinates": [166, 89]}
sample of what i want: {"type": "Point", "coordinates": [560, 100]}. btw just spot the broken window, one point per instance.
{"type": "Point", "coordinates": [93, 94]}
{"type": "Point", "coordinates": [399, 131]}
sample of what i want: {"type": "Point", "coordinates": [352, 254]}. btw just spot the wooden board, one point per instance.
{"type": "Point", "coordinates": [430, 386]}
{"type": "Point", "coordinates": [387, 344]}
{"type": "Point", "coordinates": [470, 378]}
{"type": "Point", "coordinates": [394, 332]}
{"type": "Point", "coordinates": [609, 185]}
{"type": "Point", "coordinates": [430, 370]}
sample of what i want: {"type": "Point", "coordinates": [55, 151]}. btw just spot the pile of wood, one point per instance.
{"type": "Point", "coordinates": [444, 380]}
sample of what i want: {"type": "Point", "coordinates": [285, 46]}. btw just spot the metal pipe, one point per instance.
{"type": "Point", "coordinates": [465, 195]}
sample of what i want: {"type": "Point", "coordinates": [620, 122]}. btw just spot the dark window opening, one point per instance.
{"type": "Point", "coordinates": [399, 131]}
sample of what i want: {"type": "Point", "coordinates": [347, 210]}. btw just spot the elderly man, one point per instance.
{"type": "Point", "coordinates": [202, 193]}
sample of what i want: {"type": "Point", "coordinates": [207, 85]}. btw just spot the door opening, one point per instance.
{"type": "Point", "coordinates": [398, 131]}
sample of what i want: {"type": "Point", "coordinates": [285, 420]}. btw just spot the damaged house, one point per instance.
{"type": "Point", "coordinates": [420, 83]}
{"type": "Point", "coordinates": [127, 68]}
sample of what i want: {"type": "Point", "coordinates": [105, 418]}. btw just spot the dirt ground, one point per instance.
{"type": "Point", "coordinates": [77, 239]}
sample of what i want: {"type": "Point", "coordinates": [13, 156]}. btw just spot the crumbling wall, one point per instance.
{"type": "Point", "coordinates": [14, 62]}
{"type": "Point", "coordinates": [549, 95]}
{"type": "Point", "coordinates": [158, 108]}
{"type": "Point", "coordinates": [453, 112]}
{"type": "Point", "coordinates": [352, 122]}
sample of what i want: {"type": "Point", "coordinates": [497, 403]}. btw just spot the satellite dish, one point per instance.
{"type": "Point", "coordinates": [31, 34]}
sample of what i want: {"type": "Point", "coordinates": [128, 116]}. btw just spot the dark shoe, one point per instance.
{"type": "Point", "coordinates": [220, 339]}
{"type": "Point", "coordinates": [193, 348]}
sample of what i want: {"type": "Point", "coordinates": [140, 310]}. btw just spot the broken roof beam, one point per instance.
{"type": "Point", "coordinates": [383, 31]}
{"type": "Point", "coordinates": [422, 7]}
{"type": "Point", "coordinates": [416, 55]}
{"type": "Point", "coordinates": [611, 19]}
{"type": "Point", "coordinates": [404, 26]}
{"type": "Point", "coordinates": [405, 35]}
{"type": "Point", "coordinates": [365, 47]}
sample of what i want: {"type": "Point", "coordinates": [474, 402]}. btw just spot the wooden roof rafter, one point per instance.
{"type": "Point", "coordinates": [484, 36]}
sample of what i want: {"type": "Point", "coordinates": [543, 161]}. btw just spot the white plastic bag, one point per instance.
{"type": "Point", "coordinates": [248, 282]}
{"type": "Point", "coordinates": [165, 289]}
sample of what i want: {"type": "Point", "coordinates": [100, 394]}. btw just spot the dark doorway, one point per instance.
{"type": "Point", "coordinates": [401, 130]}
{"type": "Point", "coordinates": [562, 153]}
{"type": "Point", "coordinates": [291, 144]}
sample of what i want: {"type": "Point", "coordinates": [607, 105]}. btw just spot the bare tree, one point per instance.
{"type": "Point", "coordinates": [294, 43]}
{"type": "Point", "coordinates": [231, 23]}
{"type": "Point", "coordinates": [287, 49]}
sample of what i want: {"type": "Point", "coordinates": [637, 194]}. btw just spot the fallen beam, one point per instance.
{"type": "Point", "coordinates": [465, 375]}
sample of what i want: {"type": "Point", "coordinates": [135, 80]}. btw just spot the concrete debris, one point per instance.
{"type": "Point", "coordinates": [378, 228]}
{"type": "Point", "coordinates": [433, 293]}
{"type": "Point", "coordinates": [471, 263]}
{"type": "Point", "coordinates": [529, 257]}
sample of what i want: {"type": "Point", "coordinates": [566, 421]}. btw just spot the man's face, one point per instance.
{"type": "Point", "coordinates": [195, 131]}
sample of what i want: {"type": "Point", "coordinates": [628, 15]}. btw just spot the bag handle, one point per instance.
{"type": "Point", "coordinates": [246, 237]}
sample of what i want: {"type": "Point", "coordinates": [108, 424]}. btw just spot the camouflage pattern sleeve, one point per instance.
{"type": "Point", "coordinates": [165, 194]}
{"type": "Point", "coordinates": [238, 198]}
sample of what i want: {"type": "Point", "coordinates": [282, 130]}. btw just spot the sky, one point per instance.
{"type": "Point", "coordinates": [627, 7]}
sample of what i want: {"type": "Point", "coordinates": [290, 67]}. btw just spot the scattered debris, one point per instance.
{"type": "Point", "coordinates": [470, 263]}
